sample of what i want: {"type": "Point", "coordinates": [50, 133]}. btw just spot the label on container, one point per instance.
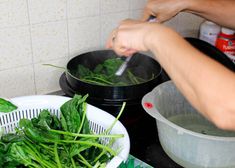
{"type": "Point", "coordinates": [208, 37]}
{"type": "Point", "coordinates": [227, 46]}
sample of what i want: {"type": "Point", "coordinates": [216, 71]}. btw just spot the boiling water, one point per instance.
{"type": "Point", "coordinates": [199, 124]}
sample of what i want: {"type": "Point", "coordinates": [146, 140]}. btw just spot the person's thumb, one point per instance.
{"type": "Point", "coordinates": [146, 14]}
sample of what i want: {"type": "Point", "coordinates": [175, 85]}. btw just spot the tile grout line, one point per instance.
{"type": "Point", "coordinates": [129, 9]}
{"type": "Point", "coordinates": [68, 37]}
{"type": "Point", "coordinates": [20, 66]}
{"type": "Point", "coordinates": [53, 21]}
{"type": "Point", "coordinates": [31, 45]}
{"type": "Point", "coordinates": [100, 24]}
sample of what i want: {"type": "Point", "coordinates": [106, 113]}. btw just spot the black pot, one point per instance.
{"type": "Point", "coordinates": [141, 127]}
{"type": "Point", "coordinates": [141, 65]}
{"type": "Point", "coordinates": [212, 52]}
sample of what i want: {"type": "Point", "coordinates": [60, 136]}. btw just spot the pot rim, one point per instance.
{"type": "Point", "coordinates": [95, 85]}
{"type": "Point", "coordinates": [92, 84]}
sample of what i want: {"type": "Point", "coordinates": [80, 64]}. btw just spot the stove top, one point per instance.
{"type": "Point", "coordinates": [145, 144]}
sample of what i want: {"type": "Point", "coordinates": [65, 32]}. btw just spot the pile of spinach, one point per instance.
{"type": "Point", "coordinates": [104, 74]}
{"type": "Point", "coordinates": [51, 142]}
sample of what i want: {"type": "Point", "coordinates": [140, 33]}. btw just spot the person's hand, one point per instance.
{"type": "Point", "coordinates": [163, 10]}
{"type": "Point", "coordinates": [130, 37]}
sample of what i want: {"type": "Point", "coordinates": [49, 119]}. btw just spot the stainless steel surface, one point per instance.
{"type": "Point", "coordinates": [59, 93]}
{"type": "Point", "coordinates": [122, 68]}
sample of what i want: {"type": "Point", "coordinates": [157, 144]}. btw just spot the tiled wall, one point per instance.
{"type": "Point", "coordinates": [34, 32]}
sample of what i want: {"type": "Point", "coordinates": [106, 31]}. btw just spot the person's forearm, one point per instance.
{"type": "Point", "coordinates": [204, 82]}
{"type": "Point", "coordinates": [218, 11]}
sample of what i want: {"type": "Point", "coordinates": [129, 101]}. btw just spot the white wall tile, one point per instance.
{"type": "Point", "coordinates": [15, 47]}
{"type": "Point", "coordinates": [136, 14]}
{"type": "Point", "coordinates": [46, 10]}
{"type": "Point", "coordinates": [81, 8]}
{"type": "Point", "coordinates": [13, 13]}
{"type": "Point", "coordinates": [49, 41]}
{"type": "Point", "coordinates": [173, 23]}
{"type": "Point", "coordinates": [137, 4]}
{"type": "Point", "coordinates": [84, 34]}
{"type": "Point", "coordinates": [111, 6]}
{"type": "Point", "coordinates": [47, 78]}
{"type": "Point", "coordinates": [109, 22]}
{"type": "Point", "coordinates": [56, 39]}
{"type": "Point", "coordinates": [188, 24]}
{"type": "Point", "coordinates": [17, 82]}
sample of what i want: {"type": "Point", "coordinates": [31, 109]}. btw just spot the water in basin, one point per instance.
{"type": "Point", "coordinates": [199, 124]}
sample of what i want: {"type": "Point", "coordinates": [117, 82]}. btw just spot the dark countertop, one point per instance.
{"type": "Point", "coordinates": [145, 144]}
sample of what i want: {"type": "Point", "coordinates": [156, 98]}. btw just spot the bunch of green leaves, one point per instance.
{"type": "Point", "coordinates": [49, 142]}
{"type": "Point", "coordinates": [104, 74]}
{"type": "Point", "coordinates": [6, 106]}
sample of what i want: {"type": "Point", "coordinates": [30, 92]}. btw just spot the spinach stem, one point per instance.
{"type": "Point", "coordinates": [132, 77]}
{"type": "Point", "coordinates": [83, 118]}
{"type": "Point", "coordinates": [116, 119]}
{"type": "Point", "coordinates": [84, 161]}
{"type": "Point", "coordinates": [55, 66]}
{"type": "Point", "coordinates": [103, 151]}
{"type": "Point", "coordinates": [94, 80]}
{"type": "Point", "coordinates": [24, 160]}
{"type": "Point", "coordinates": [49, 149]}
{"type": "Point", "coordinates": [71, 158]}
{"type": "Point", "coordinates": [73, 163]}
{"type": "Point", "coordinates": [57, 159]}
{"type": "Point", "coordinates": [103, 80]}
{"type": "Point", "coordinates": [90, 144]}
{"type": "Point", "coordinates": [34, 152]}
{"type": "Point", "coordinates": [87, 135]}
{"type": "Point", "coordinates": [99, 156]}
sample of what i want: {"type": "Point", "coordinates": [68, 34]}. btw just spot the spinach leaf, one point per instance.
{"type": "Point", "coordinates": [6, 106]}
{"type": "Point", "coordinates": [46, 120]}
{"type": "Point", "coordinates": [37, 133]}
{"type": "Point", "coordinates": [11, 137]}
{"type": "Point", "coordinates": [104, 74]}
{"type": "Point", "coordinates": [73, 118]}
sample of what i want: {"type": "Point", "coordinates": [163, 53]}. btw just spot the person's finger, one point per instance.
{"type": "Point", "coordinates": [125, 52]}
{"type": "Point", "coordinates": [117, 46]}
{"type": "Point", "coordinates": [121, 48]}
{"type": "Point", "coordinates": [127, 23]}
{"type": "Point", "coordinates": [111, 39]}
{"type": "Point", "coordinates": [146, 14]}
{"type": "Point", "coordinates": [148, 11]}
{"type": "Point", "coordinates": [129, 52]}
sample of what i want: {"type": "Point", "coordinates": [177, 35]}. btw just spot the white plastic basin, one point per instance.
{"type": "Point", "coordinates": [186, 136]}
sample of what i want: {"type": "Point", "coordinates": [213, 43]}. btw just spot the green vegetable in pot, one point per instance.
{"type": "Point", "coordinates": [6, 106]}
{"type": "Point", "coordinates": [104, 74]}
{"type": "Point", "coordinates": [51, 142]}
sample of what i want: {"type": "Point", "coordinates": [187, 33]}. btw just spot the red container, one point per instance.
{"type": "Point", "coordinates": [226, 43]}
